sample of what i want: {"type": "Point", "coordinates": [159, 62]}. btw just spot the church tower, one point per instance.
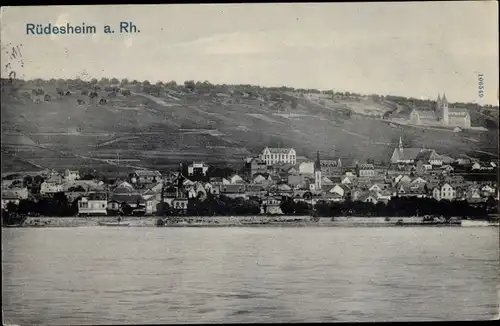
{"type": "Point", "coordinates": [317, 173]}
{"type": "Point", "coordinates": [444, 110]}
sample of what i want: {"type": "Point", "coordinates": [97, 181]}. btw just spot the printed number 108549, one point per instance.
{"type": "Point", "coordinates": [480, 85]}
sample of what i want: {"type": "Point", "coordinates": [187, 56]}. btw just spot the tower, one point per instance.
{"type": "Point", "coordinates": [444, 110]}
{"type": "Point", "coordinates": [317, 173]}
{"type": "Point", "coordinates": [400, 146]}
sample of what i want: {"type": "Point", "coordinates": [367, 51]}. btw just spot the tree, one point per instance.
{"type": "Point", "coordinates": [26, 206]}
{"type": "Point", "coordinates": [126, 209]}
{"type": "Point", "coordinates": [190, 84]}
{"type": "Point", "coordinates": [171, 83]}
{"type": "Point", "coordinates": [114, 81]}
{"type": "Point", "coordinates": [11, 207]}
{"type": "Point", "coordinates": [27, 181]}
{"type": "Point", "coordinates": [104, 81]}
{"type": "Point", "coordinates": [38, 180]}
{"type": "Point", "coordinates": [146, 83]}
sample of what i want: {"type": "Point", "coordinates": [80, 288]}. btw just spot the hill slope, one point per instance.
{"type": "Point", "coordinates": [162, 127]}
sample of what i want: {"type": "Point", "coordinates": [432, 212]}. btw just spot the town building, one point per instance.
{"type": "Point", "coordinates": [52, 185]}
{"type": "Point", "coordinates": [256, 165]}
{"type": "Point", "coordinates": [145, 177]}
{"type": "Point", "coordinates": [444, 191]}
{"type": "Point", "coordinates": [411, 155]}
{"type": "Point", "coordinates": [306, 167]}
{"type": "Point", "coordinates": [273, 155]}
{"type": "Point", "coordinates": [442, 114]}
{"type": "Point", "coordinates": [331, 168]}
{"type": "Point", "coordinates": [366, 170]}
{"type": "Point", "coordinates": [93, 204]}
{"type": "Point", "coordinates": [71, 175]}
{"type": "Point", "coordinates": [197, 168]}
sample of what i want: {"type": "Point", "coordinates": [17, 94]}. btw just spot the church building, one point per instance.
{"type": "Point", "coordinates": [442, 115]}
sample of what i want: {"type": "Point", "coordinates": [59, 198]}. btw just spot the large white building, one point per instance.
{"type": "Point", "coordinates": [442, 114]}
{"type": "Point", "coordinates": [272, 155]}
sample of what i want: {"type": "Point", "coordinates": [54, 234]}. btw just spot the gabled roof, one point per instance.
{"type": "Point", "coordinates": [147, 173]}
{"type": "Point", "coordinates": [410, 153]}
{"type": "Point", "coordinates": [425, 114]}
{"type": "Point", "coordinates": [326, 181]}
{"type": "Point", "coordinates": [276, 150]}
{"type": "Point", "coordinates": [364, 195]}
{"type": "Point", "coordinates": [427, 154]}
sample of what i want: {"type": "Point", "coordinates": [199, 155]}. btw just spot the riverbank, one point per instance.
{"type": "Point", "coordinates": [238, 221]}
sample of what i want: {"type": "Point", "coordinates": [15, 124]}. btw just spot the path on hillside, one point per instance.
{"type": "Point", "coordinates": [154, 99]}
{"type": "Point", "coordinates": [110, 162]}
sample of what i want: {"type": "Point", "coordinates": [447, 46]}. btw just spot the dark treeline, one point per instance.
{"type": "Point", "coordinates": [57, 205]}
{"type": "Point", "coordinates": [222, 206]}
{"type": "Point", "coordinates": [407, 206]}
{"type": "Point", "coordinates": [60, 206]}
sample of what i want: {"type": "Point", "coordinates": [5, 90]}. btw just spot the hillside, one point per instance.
{"type": "Point", "coordinates": [57, 124]}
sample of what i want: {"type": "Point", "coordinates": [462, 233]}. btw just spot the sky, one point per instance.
{"type": "Point", "coordinates": [416, 49]}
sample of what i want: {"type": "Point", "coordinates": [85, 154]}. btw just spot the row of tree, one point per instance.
{"type": "Point", "coordinates": [191, 84]}
{"type": "Point", "coordinates": [407, 206]}
{"type": "Point", "coordinates": [59, 205]}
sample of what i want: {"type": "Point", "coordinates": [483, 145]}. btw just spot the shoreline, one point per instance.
{"type": "Point", "coordinates": [239, 221]}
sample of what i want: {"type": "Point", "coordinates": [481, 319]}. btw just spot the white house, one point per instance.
{"type": "Point", "coordinates": [49, 187]}
{"type": "Point", "coordinates": [19, 193]}
{"type": "Point", "coordinates": [346, 180]}
{"type": "Point", "coordinates": [375, 188]}
{"type": "Point", "coordinates": [259, 179]}
{"type": "Point", "coordinates": [366, 170]}
{"type": "Point", "coordinates": [339, 189]}
{"type": "Point", "coordinates": [306, 167]}
{"type": "Point", "coordinates": [476, 166]}
{"type": "Point", "coordinates": [94, 204]}
{"type": "Point", "coordinates": [488, 188]}
{"type": "Point", "coordinates": [197, 168]}
{"type": "Point", "coordinates": [417, 181]}
{"type": "Point", "coordinates": [71, 175]}
{"type": "Point", "coordinates": [444, 191]}
{"type": "Point", "coordinates": [236, 179]}
{"type": "Point", "coordinates": [271, 205]}
{"type": "Point", "coordinates": [273, 155]}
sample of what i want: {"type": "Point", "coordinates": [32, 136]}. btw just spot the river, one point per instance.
{"type": "Point", "coordinates": [99, 275]}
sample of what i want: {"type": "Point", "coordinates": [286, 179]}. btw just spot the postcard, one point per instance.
{"type": "Point", "coordinates": [250, 163]}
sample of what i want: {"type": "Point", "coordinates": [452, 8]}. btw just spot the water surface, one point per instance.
{"type": "Point", "coordinates": [100, 275]}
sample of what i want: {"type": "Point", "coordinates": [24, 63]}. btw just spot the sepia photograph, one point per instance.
{"type": "Point", "coordinates": [250, 163]}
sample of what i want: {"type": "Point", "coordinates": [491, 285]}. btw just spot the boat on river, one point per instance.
{"type": "Point", "coordinates": [114, 223]}
{"type": "Point", "coordinates": [118, 222]}
{"type": "Point", "coordinates": [473, 223]}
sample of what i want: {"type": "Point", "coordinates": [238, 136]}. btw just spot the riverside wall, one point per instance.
{"type": "Point", "coordinates": [220, 221]}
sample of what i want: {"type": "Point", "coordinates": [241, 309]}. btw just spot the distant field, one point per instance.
{"type": "Point", "coordinates": [161, 131]}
